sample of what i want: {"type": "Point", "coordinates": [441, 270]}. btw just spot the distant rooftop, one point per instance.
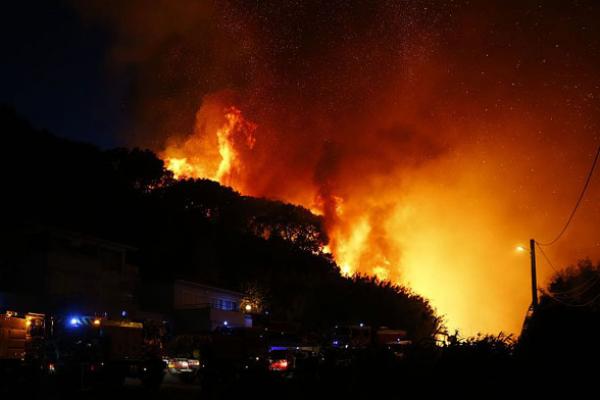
{"type": "Point", "coordinates": [209, 288]}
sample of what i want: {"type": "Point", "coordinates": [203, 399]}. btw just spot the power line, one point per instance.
{"type": "Point", "coordinates": [577, 290]}
{"type": "Point", "coordinates": [587, 303]}
{"type": "Point", "coordinates": [585, 187]}
{"type": "Point", "coordinates": [546, 257]}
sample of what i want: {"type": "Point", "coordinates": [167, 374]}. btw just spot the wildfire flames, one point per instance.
{"type": "Point", "coordinates": [186, 161]}
{"type": "Point", "coordinates": [433, 137]}
{"type": "Point", "coordinates": [218, 156]}
{"type": "Point", "coordinates": [403, 233]}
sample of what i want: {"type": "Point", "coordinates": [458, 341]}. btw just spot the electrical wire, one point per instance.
{"type": "Point", "coordinates": [568, 304]}
{"type": "Point", "coordinates": [546, 257]}
{"type": "Point", "coordinates": [581, 195]}
{"type": "Point", "coordinates": [577, 290]}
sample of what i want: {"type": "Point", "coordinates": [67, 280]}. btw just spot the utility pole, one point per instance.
{"type": "Point", "coordinates": [534, 296]}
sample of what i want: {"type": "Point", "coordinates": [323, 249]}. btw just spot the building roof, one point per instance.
{"type": "Point", "coordinates": [58, 232]}
{"type": "Point", "coordinates": [209, 288]}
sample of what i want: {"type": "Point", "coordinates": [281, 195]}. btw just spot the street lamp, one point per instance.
{"type": "Point", "coordinates": [523, 249]}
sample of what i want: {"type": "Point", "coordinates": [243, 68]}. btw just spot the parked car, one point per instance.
{"type": "Point", "coordinates": [186, 369]}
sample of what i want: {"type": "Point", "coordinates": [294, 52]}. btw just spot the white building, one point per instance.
{"type": "Point", "coordinates": [203, 307]}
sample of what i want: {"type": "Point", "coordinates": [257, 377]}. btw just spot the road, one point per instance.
{"type": "Point", "coordinates": [171, 388]}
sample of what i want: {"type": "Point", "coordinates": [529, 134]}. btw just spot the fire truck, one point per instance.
{"type": "Point", "coordinates": [20, 340]}
{"type": "Point", "coordinates": [77, 351]}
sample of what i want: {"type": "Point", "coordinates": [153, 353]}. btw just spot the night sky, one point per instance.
{"type": "Point", "coordinates": [59, 57]}
{"type": "Point", "coordinates": [433, 136]}
{"type": "Point", "coordinates": [54, 71]}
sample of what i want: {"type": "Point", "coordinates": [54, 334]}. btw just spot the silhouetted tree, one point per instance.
{"type": "Point", "coordinates": [562, 335]}
{"type": "Point", "coordinates": [194, 229]}
{"type": "Point", "coordinates": [139, 169]}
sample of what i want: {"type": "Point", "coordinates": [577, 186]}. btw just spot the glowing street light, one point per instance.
{"type": "Point", "coordinates": [520, 249]}
{"type": "Point", "coordinates": [248, 308]}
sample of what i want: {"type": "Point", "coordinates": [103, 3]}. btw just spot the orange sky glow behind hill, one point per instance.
{"type": "Point", "coordinates": [433, 137]}
{"type": "Point", "coordinates": [448, 228]}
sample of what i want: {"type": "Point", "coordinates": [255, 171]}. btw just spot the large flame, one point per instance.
{"type": "Point", "coordinates": [432, 136]}
{"type": "Point", "coordinates": [399, 234]}
{"type": "Point", "coordinates": [218, 156]}
{"type": "Point", "coordinates": [186, 160]}
{"type": "Point", "coordinates": [443, 232]}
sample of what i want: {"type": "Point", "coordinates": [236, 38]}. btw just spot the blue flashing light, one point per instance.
{"type": "Point", "coordinates": [123, 313]}
{"type": "Point", "coordinates": [336, 343]}
{"type": "Point", "coordinates": [74, 322]}
{"type": "Point", "coordinates": [225, 323]}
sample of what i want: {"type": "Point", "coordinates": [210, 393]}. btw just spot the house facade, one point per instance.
{"type": "Point", "coordinates": [56, 270]}
{"type": "Point", "coordinates": [201, 307]}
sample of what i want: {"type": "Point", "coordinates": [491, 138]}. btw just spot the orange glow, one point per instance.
{"type": "Point", "coordinates": [436, 231]}
{"type": "Point", "coordinates": [181, 168]}
{"type": "Point", "coordinates": [520, 248]}
{"type": "Point", "coordinates": [430, 148]}
{"type": "Point", "coordinates": [213, 155]}
{"type": "Point", "coordinates": [432, 139]}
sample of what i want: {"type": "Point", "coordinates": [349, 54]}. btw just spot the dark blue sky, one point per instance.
{"type": "Point", "coordinates": [54, 71]}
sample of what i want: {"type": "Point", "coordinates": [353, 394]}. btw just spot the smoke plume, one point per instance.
{"type": "Point", "coordinates": [432, 137]}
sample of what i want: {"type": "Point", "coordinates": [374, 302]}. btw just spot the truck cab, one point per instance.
{"type": "Point", "coordinates": [21, 336]}
{"type": "Point", "coordinates": [97, 350]}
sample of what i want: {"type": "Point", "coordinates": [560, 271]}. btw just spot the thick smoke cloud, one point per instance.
{"type": "Point", "coordinates": [434, 137]}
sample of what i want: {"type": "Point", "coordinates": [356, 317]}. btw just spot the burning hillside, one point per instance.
{"type": "Point", "coordinates": [217, 159]}
{"type": "Point", "coordinates": [432, 137]}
